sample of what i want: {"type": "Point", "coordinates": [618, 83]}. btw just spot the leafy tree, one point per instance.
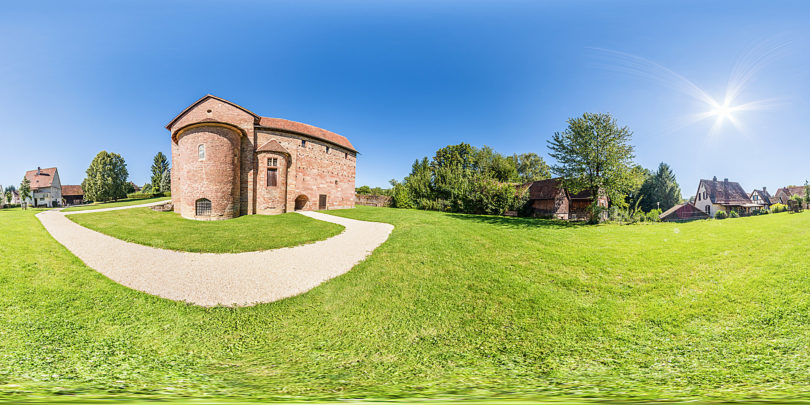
{"type": "Point", "coordinates": [106, 178]}
{"type": "Point", "coordinates": [166, 181]}
{"type": "Point", "coordinates": [25, 191]}
{"type": "Point", "coordinates": [364, 190]}
{"type": "Point", "coordinates": [159, 166]}
{"type": "Point", "coordinates": [7, 195]}
{"type": "Point", "coordinates": [594, 154]}
{"type": "Point", "coordinates": [531, 167]}
{"type": "Point", "coordinates": [130, 186]}
{"type": "Point", "coordinates": [660, 187]}
{"type": "Point", "coordinates": [401, 195]}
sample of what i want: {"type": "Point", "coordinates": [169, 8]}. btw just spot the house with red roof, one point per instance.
{"type": "Point", "coordinates": [46, 189]}
{"type": "Point", "coordinates": [228, 161]}
{"type": "Point", "coordinates": [784, 194]}
{"type": "Point", "coordinates": [713, 196]}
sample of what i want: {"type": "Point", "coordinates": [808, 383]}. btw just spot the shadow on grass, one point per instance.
{"type": "Point", "coordinates": [519, 222]}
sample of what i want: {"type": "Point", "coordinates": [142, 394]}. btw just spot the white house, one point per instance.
{"type": "Point", "coordinates": [761, 197]}
{"type": "Point", "coordinates": [46, 189]}
{"type": "Point", "coordinates": [713, 196]}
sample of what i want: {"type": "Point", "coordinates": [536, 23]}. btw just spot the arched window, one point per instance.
{"type": "Point", "coordinates": [203, 207]}
{"type": "Point", "coordinates": [201, 152]}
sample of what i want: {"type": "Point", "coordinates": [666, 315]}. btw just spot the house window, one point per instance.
{"type": "Point", "coordinates": [272, 162]}
{"type": "Point", "coordinates": [346, 155]}
{"type": "Point", "coordinates": [327, 149]}
{"type": "Point", "coordinates": [203, 207]}
{"type": "Point", "coordinates": [272, 177]}
{"type": "Point", "coordinates": [304, 143]}
{"type": "Point", "coordinates": [708, 209]}
{"type": "Point", "coordinates": [201, 152]}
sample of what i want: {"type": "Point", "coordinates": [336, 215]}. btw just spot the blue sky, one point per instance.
{"type": "Point", "coordinates": [402, 79]}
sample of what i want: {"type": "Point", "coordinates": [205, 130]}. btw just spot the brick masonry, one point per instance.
{"type": "Point", "coordinates": [233, 174]}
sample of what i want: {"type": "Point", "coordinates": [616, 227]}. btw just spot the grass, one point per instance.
{"type": "Point", "coordinates": [120, 203]}
{"type": "Point", "coordinates": [168, 230]}
{"type": "Point", "coordinates": [451, 306]}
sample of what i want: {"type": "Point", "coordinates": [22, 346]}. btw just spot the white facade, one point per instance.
{"type": "Point", "coordinates": [704, 202]}
{"type": "Point", "coordinates": [47, 196]}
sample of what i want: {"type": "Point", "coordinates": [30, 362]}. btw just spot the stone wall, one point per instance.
{"type": "Point", "coordinates": [234, 175]}
{"type": "Point", "coordinates": [372, 200]}
{"type": "Point", "coordinates": [216, 177]}
{"type": "Point", "coordinates": [316, 168]}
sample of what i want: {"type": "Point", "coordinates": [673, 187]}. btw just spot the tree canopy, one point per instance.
{"type": "Point", "coordinates": [106, 178]}
{"type": "Point", "coordinates": [159, 166]}
{"type": "Point", "coordinates": [660, 187]}
{"type": "Point", "coordinates": [25, 191]}
{"type": "Point", "coordinates": [463, 178]}
{"type": "Point", "coordinates": [594, 154]}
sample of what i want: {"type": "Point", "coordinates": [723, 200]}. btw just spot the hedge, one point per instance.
{"type": "Point", "coordinates": [140, 196]}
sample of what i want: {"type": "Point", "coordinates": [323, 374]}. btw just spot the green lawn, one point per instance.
{"type": "Point", "coordinates": [450, 306]}
{"type": "Point", "coordinates": [168, 230]}
{"type": "Point", "coordinates": [120, 203]}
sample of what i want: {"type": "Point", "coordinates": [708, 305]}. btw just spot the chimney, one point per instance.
{"type": "Point", "coordinates": [38, 169]}
{"type": "Point", "coordinates": [725, 180]}
{"type": "Point", "coordinates": [764, 189]}
{"type": "Point", "coordinates": [715, 178]}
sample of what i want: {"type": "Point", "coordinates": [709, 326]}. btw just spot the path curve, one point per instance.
{"type": "Point", "coordinates": [210, 279]}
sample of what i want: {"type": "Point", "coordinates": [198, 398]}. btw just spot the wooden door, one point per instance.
{"type": "Point", "coordinates": [322, 202]}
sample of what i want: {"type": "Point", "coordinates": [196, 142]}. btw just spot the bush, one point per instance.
{"type": "Point", "coordinates": [141, 195]}
{"type": "Point", "coordinates": [777, 208]}
{"type": "Point", "coordinates": [654, 215]}
{"type": "Point", "coordinates": [720, 215]}
{"type": "Point", "coordinates": [734, 214]}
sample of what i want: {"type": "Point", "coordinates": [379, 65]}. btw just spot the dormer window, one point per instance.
{"type": "Point", "coordinates": [201, 152]}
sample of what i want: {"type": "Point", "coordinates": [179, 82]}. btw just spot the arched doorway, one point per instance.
{"type": "Point", "coordinates": [300, 202]}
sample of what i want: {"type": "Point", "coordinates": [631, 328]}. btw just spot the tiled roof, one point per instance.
{"type": "Point", "coordinates": [726, 192]}
{"type": "Point", "coordinates": [277, 123]}
{"type": "Point", "coordinates": [72, 190]}
{"type": "Point", "coordinates": [272, 146]}
{"type": "Point", "coordinates": [306, 129]}
{"type": "Point", "coordinates": [548, 190]}
{"type": "Point", "coordinates": [41, 180]}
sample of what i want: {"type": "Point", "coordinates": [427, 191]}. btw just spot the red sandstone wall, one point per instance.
{"type": "Point", "coordinates": [213, 110]}
{"type": "Point", "coordinates": [313, 172]}
{"type": "Point", "coordinates": [271, 199]}
{"type": "Point", "coordinates": [216, 178]}
{"type": "Point", "coordinates": [309, 170]}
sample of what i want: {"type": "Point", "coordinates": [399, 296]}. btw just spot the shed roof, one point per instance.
{"type": "Point", "coordinates": [72, 190]}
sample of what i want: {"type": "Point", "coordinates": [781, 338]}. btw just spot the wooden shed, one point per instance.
{"type": "Point", "coordinates": [683, 213]}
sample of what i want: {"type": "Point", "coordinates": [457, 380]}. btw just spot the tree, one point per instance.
{"type": "Point", "coordinates": [363, 190]}
{"type": "Point", "coordinates": [594, 154]}
{"type": "Point", "coordinates": [7, 196]}
{"type": "Point", "coordinates": [130, 187]}
{"type": "Point", "coordinates": [146, 188]}
{"type": "Point", "coordinates": [106, 178]}
{"type": "Point", "coordinates": [660, 187]}
{"type": "Point", "coordinates": [25, 191]}
{"type": "Point", "coordinates": [159, 165]}
{"type": "Point", "coordinates": [166, 181]}
{"type": "Point", "coordinates": [531, 167]}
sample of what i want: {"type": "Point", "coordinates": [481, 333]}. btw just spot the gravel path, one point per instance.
{"type": "Point", "coordinates": [229, 279]}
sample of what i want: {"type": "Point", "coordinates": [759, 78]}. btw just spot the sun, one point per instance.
{"type": "Point", "coordinates": [722, 111]}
